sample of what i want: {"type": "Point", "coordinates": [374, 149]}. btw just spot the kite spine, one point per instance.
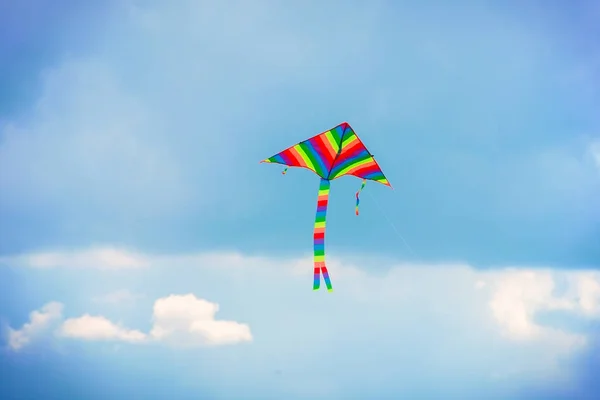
{"type": "Point", "coordinates": [319, 236]}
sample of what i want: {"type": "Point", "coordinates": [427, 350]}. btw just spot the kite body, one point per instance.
{"type": "Point", "coordinates": [331, 154]}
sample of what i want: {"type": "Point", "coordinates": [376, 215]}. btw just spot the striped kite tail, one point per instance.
{"type": "Point", "coordinates": [319, 237]}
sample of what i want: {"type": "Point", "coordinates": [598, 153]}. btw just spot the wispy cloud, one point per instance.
{"type": "Point", "coordinates": [95, 158]}
{"type": "Point", "coordinates": [120, 297]}
{"type": "Point", "coordinates": [101, 258]}
{"type": "Point", "coordinates": [595, 151]}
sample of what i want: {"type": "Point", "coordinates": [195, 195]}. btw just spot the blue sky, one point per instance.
{"type": "Point", "coordinates": [133, 201]}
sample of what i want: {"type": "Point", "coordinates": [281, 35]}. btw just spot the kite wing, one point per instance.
{"type": "Point", "coordinates": [353, 158]}
{"type": "Point", "coordinates": [331, 154]}
{"type": "Point", "coordinates": [316, 154]}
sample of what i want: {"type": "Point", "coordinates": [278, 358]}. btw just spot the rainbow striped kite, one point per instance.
{"type": "Point", "coordinates": [331, 154]}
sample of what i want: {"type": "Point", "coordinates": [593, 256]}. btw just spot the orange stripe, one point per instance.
{"type": "Point", "coordinates": [327, 145]}
{"type": "Point", "coordinates": [298, 157]}
{"type": "Point", "coordinates": [351, 146]}
{"type": "Point", "coordinates": [358, 168]}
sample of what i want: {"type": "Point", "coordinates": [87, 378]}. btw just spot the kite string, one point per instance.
{"type": "Point", "coordinates": [392, 224]}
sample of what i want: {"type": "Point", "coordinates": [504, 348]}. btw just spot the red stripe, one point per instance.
{"type": "Point", "coordinates": [329, 146]}
{"type": "Point", "coordinates": [321, 145]}
{"type": "Point", "coordinates": [298, 157]}
{"type": "Point", "coordinates": [349, 151]}
{"type": "Point", "coordinates": [292, 157]}
{"type": "Point", "coordinates": [319, 235]}
{"type": "Point", "coordinates": [322, 203]}
{"type": "Point", "coordinates": [364, 169]}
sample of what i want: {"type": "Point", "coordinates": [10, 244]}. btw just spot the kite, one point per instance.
{"type": "Point", "coordinates": [330, 155]}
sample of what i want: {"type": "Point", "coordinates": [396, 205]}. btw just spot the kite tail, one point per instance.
{"type": "Point", "coordinates": [319, 236]}
{"type": "Point", "coordinates": [364, 182]}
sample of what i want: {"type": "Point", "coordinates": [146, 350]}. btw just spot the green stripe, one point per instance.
{"type": "Point", "coordinates": [348, 163]}
{"type": "Point", "coordinates": [311, 155]}
{"type": "Point", "coordinates": [347, 139]}
{"type": "Point", "coordinates": [334, 143]}
{"type": "Point", "coordinates": [304, 156]}
{"type": "Point", "coordinates": [336, 136]}
{"type": "Point", "coordinates": [361, 161]}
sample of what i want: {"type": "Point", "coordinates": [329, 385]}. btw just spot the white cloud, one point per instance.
{"type": "Point", "coordinates": [584, 294]}
{"type": "Point", "coordinates": [40, 321]}
{"type": "Point", "coordinates": [178, 320]}
{"type": "Point", "coordinates": [515, 296]}
{"type": "Point", "coordinates": [519, 295]}
{"type": "Point", "coordinates": [101, 258]}
{"type": "Point", "coordinates": [93, 328]}
{"type": "Point", "coordinates": [188, 320]}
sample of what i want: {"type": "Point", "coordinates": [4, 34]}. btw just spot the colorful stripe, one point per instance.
{"type": "Point", "coordinates": [319, 237]}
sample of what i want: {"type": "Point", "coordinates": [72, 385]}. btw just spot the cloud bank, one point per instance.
{"type": "Point", "coordinates": [177, 320]}
{"type": "Point", "coordinates": [503, 312]}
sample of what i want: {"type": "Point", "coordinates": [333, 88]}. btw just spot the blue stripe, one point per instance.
{"type": "Point", "coordinates": [317, 156]}
{"type": "Point", "coordinates": [359, 154]}
{"type": "Point", "coordinates": [374, 175]}
{"type": "Point", "coordinates": [321, 214]}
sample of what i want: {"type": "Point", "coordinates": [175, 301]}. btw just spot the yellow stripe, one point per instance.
{"type": "Point", "coordinates": [319, 258]}
{"type": "Point", "coordinates": [297, 155]}
{"type": "Point", "coordinates": [348, 140]}
{"type": "Point", "coordinates": [334, 144]}
{"type": "Point", "coordinates": [352, 166]}
{"type": "Point", "coordinates": [304, 156]}
{"type": "Point", "coordinates": [319, 224]}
